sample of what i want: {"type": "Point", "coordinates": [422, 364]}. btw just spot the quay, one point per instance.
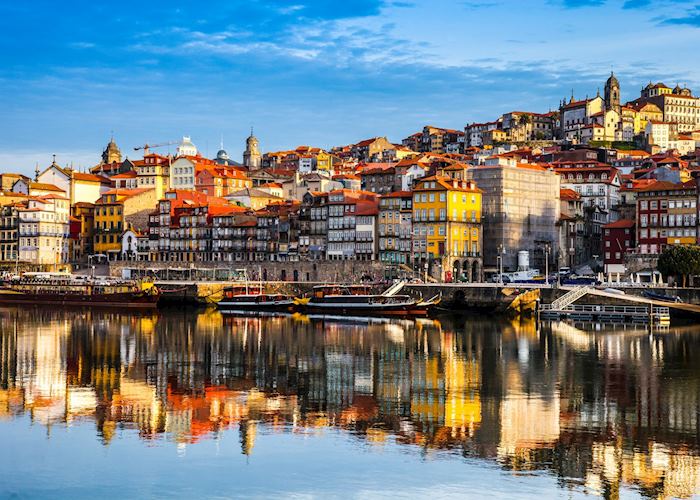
{"type": "Point", "coordinates": [577, 302]}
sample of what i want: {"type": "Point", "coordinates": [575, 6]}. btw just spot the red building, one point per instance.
{"type": "Point", "coordinates": [618, 237]}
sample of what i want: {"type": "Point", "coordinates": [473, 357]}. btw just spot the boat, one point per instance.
{"type": "Point", "coordinates": [255, 302]}
{"type": "Point", "coordinates": [353, 300]}
{"type": "Point", "coordinates": [69, 290]}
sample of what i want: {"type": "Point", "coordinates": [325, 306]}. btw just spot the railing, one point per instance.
{"type": "Point", "coordinates": [608, 310]}
{"type": "Point", "coordinates": [569, 298]}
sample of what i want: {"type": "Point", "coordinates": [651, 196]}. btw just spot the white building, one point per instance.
{"type": "Point", "coordinates": [78, 187]}
{"type": "Point", "coordinates": [182, 173]}
{"type": "Point", "coordinates": [658, 134]}
{"type": "Point", "coordinates": [44, 230]}
{"type": "Point", "coordinates": [186, 148]}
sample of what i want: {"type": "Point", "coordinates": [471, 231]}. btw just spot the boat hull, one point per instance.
{"type": "Point", "coordinates": [136, 300]}
{"type": "Point", "coordinates": [284, 306]}
{"type": "Point", "coordinates": [401, 310]}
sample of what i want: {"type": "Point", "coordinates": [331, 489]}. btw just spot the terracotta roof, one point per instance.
{"type": "Point", "coordinates": [366, 207]}
{"type": "Point", "coordinates": [53, 197]}
{"type": "Point", "coordinates": [127, 192]}
{"type": "Point", "coordinates": [446, 183]}
{"type": "Point", "coordinates": [44, 187]}
{"type": "Point", "coordinates": [131, 174]}
{"type": "Point", "coordinates": [79, 176]}
{"type": "Point", "coordinates": [398, 194]}
{"type": "Point", "coordinates": [668, 186]}
{"type": "Point", "coordinates": [569, 194]}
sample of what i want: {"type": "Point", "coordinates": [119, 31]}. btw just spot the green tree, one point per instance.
{"type": "Point", "coordinates": [680, 261]}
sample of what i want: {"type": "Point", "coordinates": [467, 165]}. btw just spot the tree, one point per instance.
{"type": "Point", "coordinates": [680, 261]}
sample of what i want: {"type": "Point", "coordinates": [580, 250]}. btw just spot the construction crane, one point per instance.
{"type": "Point", "coordinates": [146, 147]}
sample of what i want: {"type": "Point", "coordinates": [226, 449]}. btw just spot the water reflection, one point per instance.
{"type": "Point", "coordinates": [599, 409]}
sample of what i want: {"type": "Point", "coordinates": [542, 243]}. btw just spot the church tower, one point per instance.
{"type": "Point", "coordinates": [252, 159]}
{"type": "Point", "coordinates": [612, 93]}
{"type": "Point", "coordinates": [111, 153]}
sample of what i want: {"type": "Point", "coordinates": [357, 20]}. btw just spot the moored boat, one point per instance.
{"type": "Point", "coordinates": [354, 301]}
{"type": "Point", "coordinates": [67, 290]}
{"type": "Point", "coordinates": [255, 302]}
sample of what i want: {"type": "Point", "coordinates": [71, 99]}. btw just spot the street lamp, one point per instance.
{"type": "Point", "coordinates": [499, 261]}
{"type": "Point", "coordinates": [546, 250]}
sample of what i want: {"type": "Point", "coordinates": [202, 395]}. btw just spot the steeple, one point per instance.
{"type": "Point", "coordinates": [612, 93]}
{"type": "Point", "coordinates": [252, 157]}
{"type": "Point", "coordinates": [36, 169]}
{"type": "Point", "coordinates": [111, 153]}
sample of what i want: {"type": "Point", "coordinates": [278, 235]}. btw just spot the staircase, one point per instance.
{"type": "Point", "coordinates": [569, 298]}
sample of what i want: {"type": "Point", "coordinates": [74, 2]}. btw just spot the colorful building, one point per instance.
{"type": "Point", "coordinates": [447, 228]}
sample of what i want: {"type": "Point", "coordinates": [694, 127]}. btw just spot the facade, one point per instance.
{"type": "Point", "coordinates": [599, 188]}
{"type": "Point", "coordinates": [436, 140]}
{"type": "Point", "coordinates": [82, 231]}
{"type": "Point", "coordinates": [519, 126]}
{"type": "Point", "coordinates": [379, 178]}
{"type": "Point", "coordinates": [618, 238]}
{"type": "Point", "coordinates": [678, 106]}
{"type": "Point", "coordinates": [115, 212]}
{"type": "Point", "coordinates": [313, 226]}
{"type": "Point", "coordinates": [520, 211]}
{"type": "Point", "coordinates": [44, 231]}
{"type": "Point", "coordinates": [667, 214]}
{"type": "Point", "coordinates": [351, 225]}
{"type": "Point", "coordinates": [575, 115]}
{"type": "Point", "coordinates": [77, 186]}
{"type": "Point", "coordinates": [9, 227]}
{"type": "Point", "coordinates": [233, 232]}
{"type": "Point", "coordinates": [447, 236]}
{"type": "Point", "coordinates": [395, 228]}
{"type": "Point", "coordinates": [572, 229]}
{"type": "Point", "coordinates": [369, 149]}
{"type": "Point", "coordinates": [153, 172]}
{"type": "Point", "coordinates": [221, 181]}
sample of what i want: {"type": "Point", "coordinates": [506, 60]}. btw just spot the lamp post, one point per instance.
{"type": "Point", "coordinates": [546, 250]}
{"type": "Point", "coordinates": [499, 261]}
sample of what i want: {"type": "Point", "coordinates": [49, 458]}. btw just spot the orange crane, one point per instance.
{"type": "Point", "coordinates": [147, 146]}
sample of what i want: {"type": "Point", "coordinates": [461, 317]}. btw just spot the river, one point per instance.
{"type": "Point", "coordinates": [191, 403]}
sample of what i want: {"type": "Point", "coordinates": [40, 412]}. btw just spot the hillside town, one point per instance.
{"type": "Point", "coordinates": [597, 185]}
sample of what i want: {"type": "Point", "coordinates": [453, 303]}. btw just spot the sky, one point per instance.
{"type": "Point", "coordinates": [319, 73]}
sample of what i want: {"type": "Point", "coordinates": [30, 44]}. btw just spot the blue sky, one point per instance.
{"type": "Point", "coordinates": [311, 72]}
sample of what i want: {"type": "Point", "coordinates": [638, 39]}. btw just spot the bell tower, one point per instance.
{"type": "Point", "coordinates": [612, 93]}
{"type": "Point", "coordinates": [252, 159]}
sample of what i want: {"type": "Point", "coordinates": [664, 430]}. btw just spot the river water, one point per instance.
{"type": "Point", "coordinates": [196, 404]}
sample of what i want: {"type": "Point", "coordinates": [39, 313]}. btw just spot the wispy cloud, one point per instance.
{"type": "Point", "coordinates": [692, 18]}
{"type": "Point", "coordinates": [577, 4]}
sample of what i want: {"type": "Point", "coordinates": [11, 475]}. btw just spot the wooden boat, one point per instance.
{"type": "Point", "coordinates": [252, 298]}
{"type": "Point", "coordinates": [255, 302]}
{"type": "Point", "coordinates": [67, 290]}
{"type": "Point", "coordinates": [350, 300]}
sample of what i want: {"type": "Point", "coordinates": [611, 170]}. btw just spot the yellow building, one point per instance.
{"type": "Point", "coordinates": [116, 211]}
{"type": "Point", "coordinates": [447, 237]}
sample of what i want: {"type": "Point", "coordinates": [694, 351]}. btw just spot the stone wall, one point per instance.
{"type": "Point", "coordinates": [341, 271]}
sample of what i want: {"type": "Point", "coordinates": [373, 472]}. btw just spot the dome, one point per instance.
{"type": "Point", "coordinates": [677, 89]}
{"type": "Point", "coordinates": [187, 148]}
{"type": "Point", "coordinates": [222, 155]}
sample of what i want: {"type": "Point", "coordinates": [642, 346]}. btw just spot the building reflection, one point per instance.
{"type": "Point", "coordinates": [600, 409]}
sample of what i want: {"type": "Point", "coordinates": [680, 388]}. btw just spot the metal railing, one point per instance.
{"type": "Point", "coordinates": [569, 298]}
